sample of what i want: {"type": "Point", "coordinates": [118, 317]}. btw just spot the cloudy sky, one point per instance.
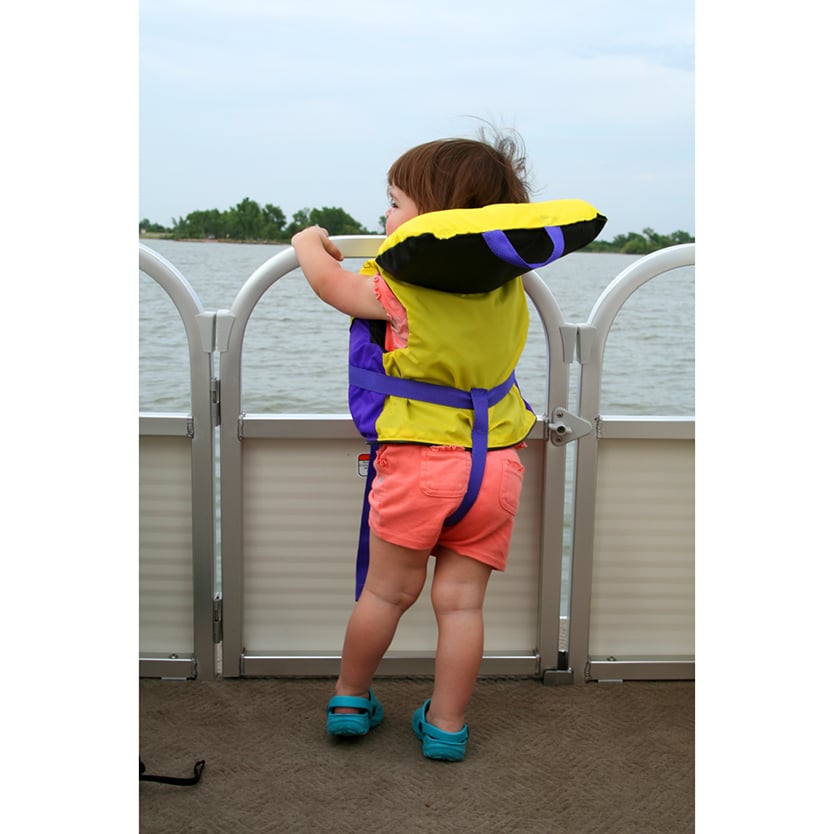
{"type": "Point", "coordinates": [305, 105]}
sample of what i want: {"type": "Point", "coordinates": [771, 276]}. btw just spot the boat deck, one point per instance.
{"type": "Point", "coordinates": [616, 757]}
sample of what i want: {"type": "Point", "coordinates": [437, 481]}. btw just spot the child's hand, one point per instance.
{"type": "Point", "coordinates": [316, 236]}
{"type": "Point", "coordinates": [350, 292]}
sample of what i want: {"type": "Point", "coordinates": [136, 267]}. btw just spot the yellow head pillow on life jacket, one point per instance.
{"type": "Point", "coordinates": [478, 250]}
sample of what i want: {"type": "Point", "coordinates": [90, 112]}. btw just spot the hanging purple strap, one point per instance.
{"type": "Point", "coordinates": [363, 548]}
{"type": "Point", "coordinates": [478, 399]}
{"type": "Point", "coordinates": [502, 248]}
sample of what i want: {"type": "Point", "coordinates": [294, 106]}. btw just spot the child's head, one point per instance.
{"type": "Point", "coordinates": [462, 173]}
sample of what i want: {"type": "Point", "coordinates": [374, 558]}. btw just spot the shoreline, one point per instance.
{"type": "Point", "coordinates": [153, 236]}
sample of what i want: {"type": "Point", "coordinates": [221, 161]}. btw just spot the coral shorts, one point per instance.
{"type": "Point", "coordinates": [417, 487]}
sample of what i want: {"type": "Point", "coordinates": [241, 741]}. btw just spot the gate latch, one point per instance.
{"type": "Point", "coordinates": [564, 427]}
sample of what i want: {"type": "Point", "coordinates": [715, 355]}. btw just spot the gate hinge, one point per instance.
{"type": "Point", "coordinates": [217, 619]}
{"type": "Point", "coordinates": [578, 342]}
{"type": "Point", "coordinates": [564, 427]}
{"type": "Point", "coordinates": [215, 401]}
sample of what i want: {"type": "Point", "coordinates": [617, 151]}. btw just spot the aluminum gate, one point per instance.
{"type": "Point", "coordinates": [246, 567]}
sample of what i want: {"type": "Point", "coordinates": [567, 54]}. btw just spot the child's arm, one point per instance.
{"type": "Point", "coordinates": [347, 291]}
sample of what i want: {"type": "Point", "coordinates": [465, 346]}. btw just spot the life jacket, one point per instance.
{"type": "Point", "coordinates": [455, 342]}
{"type": "Point", "coordinates": [457, 273]}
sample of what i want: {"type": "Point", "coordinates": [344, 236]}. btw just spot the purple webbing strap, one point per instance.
{"type": "Point", "coordinates": [362, 550]}
{"type": "Point", "coordinates": [480, 430]}
{"type": "Point", "coordinates": [412, 389]}
{"type": "Point", "coordinates": [501, 247]}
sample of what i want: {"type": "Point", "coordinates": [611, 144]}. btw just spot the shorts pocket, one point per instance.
{"type": "Point", "coordinates": [444, 471]}
{"type": "Point", "coordinates": [512, 478]}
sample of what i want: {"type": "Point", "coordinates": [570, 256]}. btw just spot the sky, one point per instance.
{"type": "Point", "coordinates": [306, 105]}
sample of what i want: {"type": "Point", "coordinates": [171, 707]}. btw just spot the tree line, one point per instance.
{"type": "Point", "coordinates": [639, 244]}
{"type": "Point", "coordinates": [248, 221]}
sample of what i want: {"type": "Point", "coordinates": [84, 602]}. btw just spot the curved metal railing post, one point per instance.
{"type": "Point", "coordinates": [594, 336]}
{"type": "Point", "coordinates": [231, 329]}
{"type": "Point", "coordinates": [553, 491]}
{"type": "Point", "coordinates": [199, 329]}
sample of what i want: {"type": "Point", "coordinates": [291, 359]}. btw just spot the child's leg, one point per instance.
{"type": "Point", "coordinates": [457, 594]}
{"type": "Point", "coordinates": [396, 576]}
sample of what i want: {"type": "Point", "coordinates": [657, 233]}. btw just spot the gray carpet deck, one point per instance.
{"type": "Point", "coordinates": [607, 758]}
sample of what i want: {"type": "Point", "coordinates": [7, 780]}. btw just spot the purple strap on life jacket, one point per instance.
{"type": "Point", "coordinates": [363, 548]}
{"type": "Point", "coordinates": [502, 248]}
{"type": "Point", "coordinates": [478, 399]}
{"type": "Point", "coordinates": [480, 430]}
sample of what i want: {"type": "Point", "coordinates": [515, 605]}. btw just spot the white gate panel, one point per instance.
{"type": "Point", "coordinates": [301, 510]}
{"type": "Point", "coordinates": [301, 503]}
{"type": "Point", "coordinates": [643, 581]}
{"type": "Point", "coordinates": [166, 574]}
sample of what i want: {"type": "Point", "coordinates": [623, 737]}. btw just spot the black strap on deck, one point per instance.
{"type": "Point", "coordinates": [173, 780]}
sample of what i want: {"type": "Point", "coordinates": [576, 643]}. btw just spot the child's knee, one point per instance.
{"type": "Point", "coordinates": [400, 594]}
{"type": "Point", "coordinates": [453, 596]}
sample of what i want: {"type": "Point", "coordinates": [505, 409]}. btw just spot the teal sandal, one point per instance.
{"type": "Point", "coordinates": [437, 743]}
{"type": "Point", "coordinates": [354, 723]}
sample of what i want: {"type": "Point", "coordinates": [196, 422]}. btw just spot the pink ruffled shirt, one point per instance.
{"type": "Point", "coordinates": [396, 332]}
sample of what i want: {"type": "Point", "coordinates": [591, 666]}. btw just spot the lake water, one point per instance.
{"type": "Point", "coordinates": [295, 348]}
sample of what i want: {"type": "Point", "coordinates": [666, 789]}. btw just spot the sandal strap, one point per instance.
{"type": "Point", "coordinates": [437, 734]}
{"type": "Point", "coordinates": [350, 702]}
{"type": "Point", "coordinates": [430, 730]}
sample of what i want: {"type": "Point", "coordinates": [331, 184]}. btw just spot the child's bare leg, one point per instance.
{"type": "Point", "coordinates": [458, 591]}
{"type": "Point", "coordinates": [396, 576]}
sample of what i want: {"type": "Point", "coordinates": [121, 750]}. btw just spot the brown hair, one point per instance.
{"type": "Point", "coordinates": [462, 173]}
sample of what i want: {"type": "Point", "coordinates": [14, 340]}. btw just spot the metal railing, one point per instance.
{"type": "Point", "coordinates": [222, 333]}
